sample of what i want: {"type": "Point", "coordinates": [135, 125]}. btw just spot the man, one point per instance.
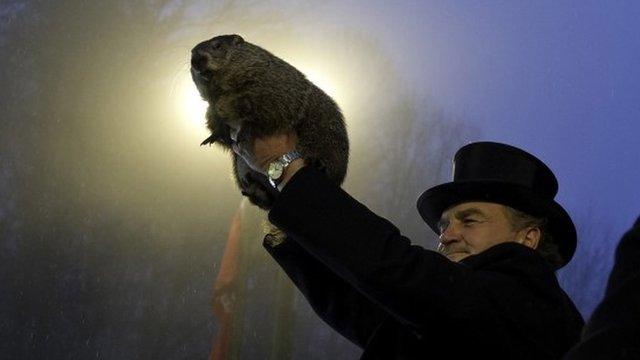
{"type": "Point", "coordinates": [488, 293]}
{"type": "Point", "coordinates": [613, 332]}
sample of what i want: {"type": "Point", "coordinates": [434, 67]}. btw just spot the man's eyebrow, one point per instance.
{"type": "Point", "coordinates": [468, 212]}
{"type": "Point", "coordinates": [461, 214]}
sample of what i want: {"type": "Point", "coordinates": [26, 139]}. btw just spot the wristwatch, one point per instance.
{"type": "Point", "coordinates": [276, 168]}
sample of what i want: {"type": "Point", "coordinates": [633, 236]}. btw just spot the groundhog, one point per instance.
{"type": "Point", "coordinates": [249, 88]}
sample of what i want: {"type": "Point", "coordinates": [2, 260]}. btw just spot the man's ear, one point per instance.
{"type": "Point", "coordinates": [530, 237]}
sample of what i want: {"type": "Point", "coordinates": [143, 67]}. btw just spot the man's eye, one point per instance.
{"type": "Point", "coordinates": [468, 221]}
{"type": "Point", "coordinates": [442, 226]}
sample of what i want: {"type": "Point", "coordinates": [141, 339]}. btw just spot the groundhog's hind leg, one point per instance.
{"type": "Point", "coordinates": [274, 235]}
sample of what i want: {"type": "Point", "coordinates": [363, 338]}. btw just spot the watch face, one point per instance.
{"type": "Point", "coordinates": [275, 170]}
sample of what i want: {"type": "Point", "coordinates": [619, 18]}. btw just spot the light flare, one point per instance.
{"type": "Point", "coordinates": [190, 103]}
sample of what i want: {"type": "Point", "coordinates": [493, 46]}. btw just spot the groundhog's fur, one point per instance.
{"type": "Point", "coordinates": [248, 86]}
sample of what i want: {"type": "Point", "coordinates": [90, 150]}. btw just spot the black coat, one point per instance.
{"type": "Point", "coordinates": [399, 301]}
{"type": "Point", "coordinates": [613, 331]}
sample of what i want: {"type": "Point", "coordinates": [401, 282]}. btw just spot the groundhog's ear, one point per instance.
{"type": "Point", "coordinates": [237, 39]}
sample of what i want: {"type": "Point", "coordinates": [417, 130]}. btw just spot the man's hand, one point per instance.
{"type": "Point", "coordinates": [259, 154]}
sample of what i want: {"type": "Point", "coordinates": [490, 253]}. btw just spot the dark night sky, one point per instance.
{"type": "Point", "coordinates": [559, 78]}
{"type": "Point", "coordinates": [106, 199]}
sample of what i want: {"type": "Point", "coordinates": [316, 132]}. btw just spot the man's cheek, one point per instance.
{"type": "Point", "coordinates": [472, 247]}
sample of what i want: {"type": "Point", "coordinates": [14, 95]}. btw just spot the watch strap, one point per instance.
{"type": "Point", "coordinates": [284, 161]}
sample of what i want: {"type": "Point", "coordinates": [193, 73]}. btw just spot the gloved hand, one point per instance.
{"type": "Point", "coordinates": [262, 151]}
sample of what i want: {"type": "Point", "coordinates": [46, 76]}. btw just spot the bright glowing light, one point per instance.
{"type": "Point", "coordinates": [322, 81]}
{"type": "Point", "coordinates": [189, 102]}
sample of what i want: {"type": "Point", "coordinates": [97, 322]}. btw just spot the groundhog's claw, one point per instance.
{"type": "Point", "coordinates": [208, 141]}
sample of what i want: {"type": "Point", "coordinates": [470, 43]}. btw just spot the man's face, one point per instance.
{"type": "Point", "coordinates": [470, 228]}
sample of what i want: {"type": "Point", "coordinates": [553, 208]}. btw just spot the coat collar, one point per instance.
{"type": "Point", "coordinates": [509, 254]}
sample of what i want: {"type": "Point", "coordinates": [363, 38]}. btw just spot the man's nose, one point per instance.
{"type": "Point", "coordinates": [449, 234]}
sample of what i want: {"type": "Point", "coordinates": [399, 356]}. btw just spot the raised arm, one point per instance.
{"type": "Point", "coordinates": [341, 306]}
{"type": "Point", "coordinates": [368, 252]}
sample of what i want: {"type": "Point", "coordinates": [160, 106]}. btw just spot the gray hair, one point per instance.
{"type": "Point", "coordinates": [547, 247]}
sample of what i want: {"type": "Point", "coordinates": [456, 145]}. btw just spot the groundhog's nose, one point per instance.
{"type": "Point", "coordinates": [199, 60]}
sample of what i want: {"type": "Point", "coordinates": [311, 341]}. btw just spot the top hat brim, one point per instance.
{"type": "Point", "coordinates": [434, 201]}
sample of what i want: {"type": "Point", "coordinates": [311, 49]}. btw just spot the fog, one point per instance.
{"type": "Point", "coordinates": [114, 221]}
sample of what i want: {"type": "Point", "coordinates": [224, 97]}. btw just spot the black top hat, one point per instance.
{"type": "Point", "coordinates": [503, 174]}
